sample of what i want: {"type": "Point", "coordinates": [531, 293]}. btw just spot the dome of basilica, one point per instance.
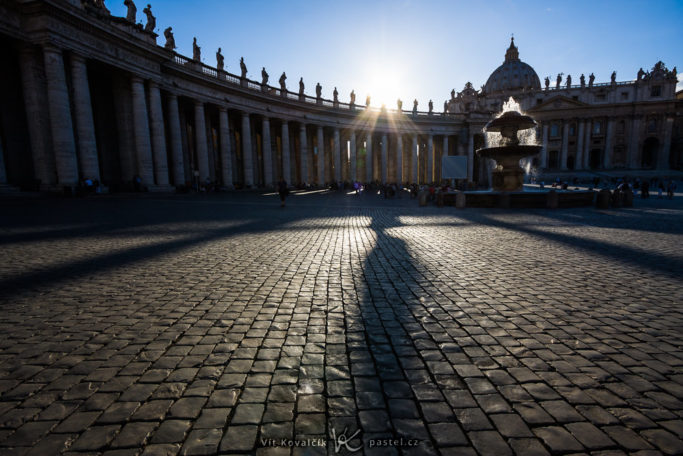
{"type": "Point", "coordinates": [512, 75]}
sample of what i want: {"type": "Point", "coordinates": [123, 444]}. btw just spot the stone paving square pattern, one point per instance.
{"type": "Point", "coordinates": [222, 325]}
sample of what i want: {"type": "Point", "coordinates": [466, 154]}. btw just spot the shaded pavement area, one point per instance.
{"type": "Point", "coordinates": [341, 324]}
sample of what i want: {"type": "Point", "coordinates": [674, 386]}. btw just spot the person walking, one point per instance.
{"type": "Point", "coordinates": [283, 191]}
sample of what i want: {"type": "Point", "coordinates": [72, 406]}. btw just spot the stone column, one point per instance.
{"type": "Point", "coordinates": [247, 153]}
{"type": "Point", "coordinates": [384, 164]}
{"type": "Point", "coordinates": [176, 140]}
{"type": "Point", "coordinates": [579, 145]}
{"type": "Point", "coordinates": [352, 158]}
{"type": "Point", "coordinates": [632, 152]}
{"type": "Point", "coordinates": [143, 144]}
{"type": "Point", "coordinates": [587, 145]}
{"type": "Point", "coordinates": [663, 158]}
{"type": "Point", "coordinates": [544, 150]}
{"type": "Point", "coordinates": [413, 161]}
{"type": "Point", "coordinates": [286, 159]}
{"type": "Point", "coordinates": [399, 158]}
{"type": "Point", "coordinates": [368, 157]}
{"type": "Point", "coordinates": [63, 142]}
{"type": "Point", "coordinates": [321, 156]}
{"type": "Point", "coordinates": [158, 135]}
{"type": "Point", "coordinates": [609, 144]}
{"type": "Point", "coordinates": [565, 145]}
{"type": "Point", "coordinates": [267, 153]}
{"type": "Point", "coordinates": [430, 158]}
{"type": "Point", "coordinates": [36, 117]}
{"type": "Point", "coordinates": [470, 157]}
{"type": "Point", "coordinates": [200, 141]}
{"type": "Point", "coordinates": [85, 125]}
{"type": "Point", "coordinates": [225, 146]}
{"type": "Point", "coordinates": [303, 153]}
{"type": "Point", "coordinates": [337, 156]}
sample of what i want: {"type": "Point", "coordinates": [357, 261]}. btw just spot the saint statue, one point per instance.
{"type": "Point", "coordinates": [243, 68]}
{"type": "Point", "coordinates": [196, 51]}
{"type": "Point", "coordinates": [132, 11]}
{"type": "Point", "coordinates": [431, 106]}
{"type": "Point", "coordinates": [614, 77]}
{"type": "Point", "coordinates": [415, 107]}
{"type": "Point", "coordinates": [569, 81]}
{"type": "Point", "coordinates": [367, 100]}
{"type": "Point", "coordinates": [399, 105]}
{"type": "Point", "coordinates": [151, 20]}
{"type": "Point", "coordinates": [335, 95]}
{"type": "Point", "coordinates": [453, 94]}
{"type": "Point", "coordinates": [591, 78]}
{"type": "Point", "coordinates": [220, 60]}
{"type": "Point", "coordinates": [583, 80]}
{"type": "Point", "coordinates": [445, 107]}
{"type": "Point", "coordinates": [170, 41]}
{"type": "Point", "coordinates": [318, 90]}
{"type": "Point", "coordinates": [547, 82]}
{"type": "Point", "coordinates": [353, 98]}
{"type": "Point", "coordinates": [264, 76]}
{"type": "Point", "coordinates": [641, 73]}
{"type": "Point", "coordinates": [301, 86]}
{"type": "Point", "coordinates": [558, 81]}
{"type": "Point", "coordinates": [283, 85]}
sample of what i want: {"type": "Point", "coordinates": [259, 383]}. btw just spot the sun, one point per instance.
{"type": "Point", "coordinates": [384, 86]}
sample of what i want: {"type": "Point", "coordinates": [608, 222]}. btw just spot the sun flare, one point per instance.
{"type": "Point", "coordinates": [384, 86]}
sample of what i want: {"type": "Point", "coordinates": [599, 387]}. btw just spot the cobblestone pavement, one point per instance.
{"type": "Point", "coordinates": [201, 325]}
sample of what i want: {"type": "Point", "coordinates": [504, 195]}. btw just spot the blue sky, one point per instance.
{"type": "Point", "coordinates": [421, 49]}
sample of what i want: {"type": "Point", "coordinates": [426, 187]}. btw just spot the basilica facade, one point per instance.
{"type": "Point", "coordinates": [89, 96]}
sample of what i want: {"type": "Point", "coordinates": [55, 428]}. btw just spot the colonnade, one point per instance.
{"type": "Point", "coordinates": [244, 147]}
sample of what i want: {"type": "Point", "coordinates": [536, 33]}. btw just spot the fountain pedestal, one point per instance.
{"type": "Point", "coordinates": [508, 180]}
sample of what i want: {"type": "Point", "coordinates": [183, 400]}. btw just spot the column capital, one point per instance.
{"type": "Point", "coordinates": [52, 48]}
{"type": "Point", "coordinates": [198, 103]}
{"type": "Point", "coordinates": [222, 108]}
{"type": "Point", "coordinates": [136, 79]}
{"type": "Point", "coordinates": [153, 83]}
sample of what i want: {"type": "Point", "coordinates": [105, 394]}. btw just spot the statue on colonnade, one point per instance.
{"type": "Point", "coordinates": [591, 78]}
{"type": "Point", "coordinates": [318, 91]}
{"type": "Point", "coordinates": [196, 51]}
{"type": "Point", "coordinates": [151, 20]}
{"type": "Point", "coordinates": [353, 98]}
{"type": "Point", "coordinates": [220, 60]}
{"type": "Point", "coordinates": [170, 40]}
{"type": "Point", "coordinates": [301, 86]}
{"type": "Point", "coordinates": [583, 80]}
{"type": "Point", "coordinates": [283, 85]}
{"type": "Point", "coordinates": [131, 12]}
{"type": "Point", "coordinates": [569, 81]}
{"type": "Point", "coordinates": [431, 107]}
{"type": "Point", "coordinates": [415, 107]}
{"type": "Point", "coordinates": [243, 68]}
{"type": "Point", "coordinates": [399, 105]}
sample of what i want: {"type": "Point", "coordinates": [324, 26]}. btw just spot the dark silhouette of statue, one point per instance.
{"type": "Point", "coordinates": [558, 81]}
{"type": "Point", "coordinates": [220, 60]}
{"type": "Point", "coordinates": [132, 11]}
{"type": "Point", "coordinates": [431, 106]}
{"type": "Point", "coordinates": [283, 85]}
{"type": "Point", "coordinates": [335, 95]}
{"type": "Point", "coordinates": [318, 90]}
{"type": "Point", "coordinates": [613, 78]}
{"type": "Point", "coordinates": [264, 76]}
{"type": "Point", "coordinates": [151, 20]}
{"type": "Point", "coordinates": [196, 51]}
{"type": "Point", "coordinates": [569, 80]}
{"type": "Point", "coordinates": [453, 94]}
{"type": "Point", "coordinates": [415, 107]}
{"type": "Point", "coordinates": [583, 80]}
{"type": "Point", "coordinates": [353, 98]}
{"type": "Point", "coordinates": [591, 79]}
{"type": "Point", "coordinates": [301, 86]}
{"type": "Point", "coordinates": [170, 41]}
{"type": "Point", "coordinates": [547, 82]}
{"type": "Point", "coordinates": [641, 73]}
{"type": "Point", "coordinates": [243, 68]}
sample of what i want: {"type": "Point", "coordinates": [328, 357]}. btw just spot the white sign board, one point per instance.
{"type": "Point", "coordinates": [454, 167]}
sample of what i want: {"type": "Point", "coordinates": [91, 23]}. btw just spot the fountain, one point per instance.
{"type": "Point", "coordinates": [508, 175]}
{"type": "Point", "coordinates": [510, 138]}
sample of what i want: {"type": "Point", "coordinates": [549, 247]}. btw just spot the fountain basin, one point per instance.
{"type": "Point", "coordinates": [525, 199]}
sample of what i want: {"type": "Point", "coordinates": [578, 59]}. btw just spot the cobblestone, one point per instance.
{"type": "Point", "coordinates": [210, 324]}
